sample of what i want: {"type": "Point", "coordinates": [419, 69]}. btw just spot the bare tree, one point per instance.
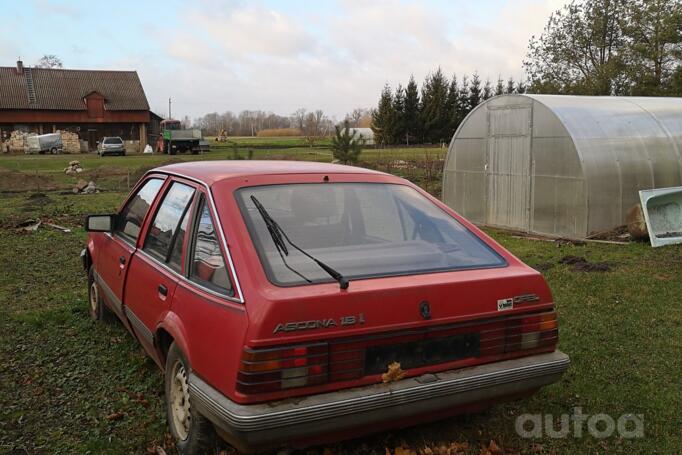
{"type": "Point", "coordinates": [49, 61]}
{"type": "Point", "coordinates": [315, 125]}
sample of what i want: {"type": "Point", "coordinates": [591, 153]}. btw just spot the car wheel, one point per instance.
{"type": "Point", "coordinates": [97, 309]}
{"type": "Point", "coordinates": [192, 431]}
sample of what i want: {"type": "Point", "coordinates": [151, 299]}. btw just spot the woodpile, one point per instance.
{"type": "Point", "coordinates": [70, 142]}
{"type": "Point", "coordinates": [17, 142]}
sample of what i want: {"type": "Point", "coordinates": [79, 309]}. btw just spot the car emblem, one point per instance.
{"type": "Point", "coordinates": [425, 309]}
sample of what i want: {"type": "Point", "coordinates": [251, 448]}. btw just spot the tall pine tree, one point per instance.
{"type": "Point", "coordinates": [463, 107]}
{"type": "Point", "coordinates": [398, 130]}
{"type": "Point", "coordinates": [511, 88]}
{"type": "Point", "coordinates": [475, 91]}
{"type": "Point", "coordinates": [383, 118]}
{"type": "Point", "coordinates": [411, 116]}
{"type": "Point", "coordinates": [499, 88]}
{"type": "Point", "coordinates": [487, 90]}
{"type": "Point", "coordinates": [434, 107]}
{"type": "Point", "coordinates": [453, 105]}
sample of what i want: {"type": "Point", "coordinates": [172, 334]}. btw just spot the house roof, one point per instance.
{"type": "Point", "coordinates": [64, 89]}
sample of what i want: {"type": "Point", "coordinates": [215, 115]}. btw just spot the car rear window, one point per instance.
{"type": "Point", "coordinates": [113, 140]}
{"type": "Point", "coordinates": [362, 230]}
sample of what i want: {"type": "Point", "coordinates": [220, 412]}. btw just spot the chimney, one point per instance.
{"type": "Point", "coordinates": [20, 67]}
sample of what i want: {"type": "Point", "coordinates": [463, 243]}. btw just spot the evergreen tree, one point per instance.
{"type": "Point", "coordinates": [487, 90]}
{"type": "Point", "coordinates": [399, 127]}
{"type": "Point", "coordinates": [411, 113]}
{"type": "Point", "coordinates": [474, 91]}
{"type": "Point", "coordinates": [511, 87]}
{"type": "Point", "coordinates": [463, 107]}
{"type": "Point", "coordinates": [499, 88]}
{"type": "Point", "coordinates": [453, 104]}
{"type": "Point", "coordinates": [520, 87]}
{"type": "Point", "coordinates": [383, 118]}
{"type": "Point", "coordinates": [346, 146]}
{"type": "Point", "coordinates": [434, 107]}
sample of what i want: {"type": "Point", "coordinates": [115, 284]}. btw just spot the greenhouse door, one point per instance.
{"type": "Point", "coordinates": [508, 167]}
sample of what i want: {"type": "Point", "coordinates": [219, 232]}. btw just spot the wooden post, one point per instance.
{"type": "Point", "coordinates": [143, 136]}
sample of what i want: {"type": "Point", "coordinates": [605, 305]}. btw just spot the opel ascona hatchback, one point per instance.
{"type": "Point", "coordinates": [291, 303]}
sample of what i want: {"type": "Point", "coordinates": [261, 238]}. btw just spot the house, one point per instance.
{"type": "Point", "coordinates": [91, 103]}
{"type": "Point", "coordinates": [365, 133]}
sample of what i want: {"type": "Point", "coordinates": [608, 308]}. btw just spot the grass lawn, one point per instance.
{"type": "Point", "coordinates": [69, 385]}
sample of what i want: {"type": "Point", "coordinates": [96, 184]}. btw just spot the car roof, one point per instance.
{"type": "Point", "coordinates": [210, 172]}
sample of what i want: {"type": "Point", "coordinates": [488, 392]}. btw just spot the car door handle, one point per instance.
{"type": "Point", "coordinates": [122, 260]}
{"type": "Point", "coordinates": [163, 290]}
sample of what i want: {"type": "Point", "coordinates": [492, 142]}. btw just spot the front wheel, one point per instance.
{"type": "Point", "coordinates": [97, 309]}
{"type": "Point", "coordinates": [193, 432]}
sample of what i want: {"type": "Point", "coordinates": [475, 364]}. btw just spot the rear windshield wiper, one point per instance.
{"type": "Point", "coordinates": [278, 236]}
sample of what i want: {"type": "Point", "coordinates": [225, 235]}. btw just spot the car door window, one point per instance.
{"type": "Point", "coordinates": [132, 216]}
{"type": "Point", "coordinates": [166, 226]}
{"type": "Point", "coordinates": [208, 266]}
{"type": "Point", "coordinates": [175, 261]}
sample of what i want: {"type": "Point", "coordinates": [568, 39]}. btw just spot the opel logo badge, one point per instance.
{"type": "Point", "coordinates": [425, 309]}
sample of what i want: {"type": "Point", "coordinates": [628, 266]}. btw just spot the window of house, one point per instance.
{"type": "Point", "coordinates": [208, 266]}
{"type": "Point", "coordinates": [166, 226]}
{"type": "Point", "coordinates": [132, 216]}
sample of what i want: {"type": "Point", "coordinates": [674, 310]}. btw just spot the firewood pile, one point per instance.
{"type": "Point", "coordinates": [17, 142]}
{"type": "Point", "coordinates": [70, 142]}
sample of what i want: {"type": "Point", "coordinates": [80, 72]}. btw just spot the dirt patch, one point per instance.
{"type": "Point", "coordinates": [17, 182]}
{"type": "Point", "coordinates": [35, 201]}
{"type": "Point", "coordinates": [617, 234]}
{"type": "Point", "coordinates": [580, 264]}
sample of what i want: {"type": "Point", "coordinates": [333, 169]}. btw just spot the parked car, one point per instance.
{"type": "Point", "coordinates": [111, 146]}
{"type": "Point", "coordinates": [290, 303]}
{"type": "Point", "coordinates": [45, 143]}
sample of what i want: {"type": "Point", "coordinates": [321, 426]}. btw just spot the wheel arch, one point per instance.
{"type": "Point", "coordinates": [171, 330]}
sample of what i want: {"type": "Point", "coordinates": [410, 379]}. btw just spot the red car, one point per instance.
{"type": "Point", "coordinates": [291, 303]}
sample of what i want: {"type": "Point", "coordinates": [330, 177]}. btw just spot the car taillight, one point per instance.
{"type": "Point", "coordinates": [269, 370]}
{"type": "Point", "coordinates": [265, 370]}
{"type": "Point", "coordinates": [519, 333]}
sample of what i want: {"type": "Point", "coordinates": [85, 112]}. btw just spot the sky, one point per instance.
{"type": "Point", "coordinates": [274, 55]}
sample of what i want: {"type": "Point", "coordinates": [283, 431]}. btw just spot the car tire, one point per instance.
{"type": "Point", "coordinates": [96, 306]}
{"type": "Point", "coordinates": [192, 431]}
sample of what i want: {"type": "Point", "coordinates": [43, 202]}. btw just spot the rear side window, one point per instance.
{"type": "Point", "coordinates": [208, 266]}
{"type": "Point", "coordinates": [166, 226]}
{"type": "Point", "coordinates": [132, 216]}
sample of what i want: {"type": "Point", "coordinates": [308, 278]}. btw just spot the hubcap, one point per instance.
{"type": "Point", "coordinates": [179, 400]}
{"type": "Point", "coordinates": [94, 297]}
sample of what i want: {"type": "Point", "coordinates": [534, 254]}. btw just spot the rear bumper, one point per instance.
{"type": "Point", "coordinates": [268, 424]}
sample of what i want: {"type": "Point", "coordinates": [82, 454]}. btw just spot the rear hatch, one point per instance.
{"type": "Point", "coordinates": [315, 338]}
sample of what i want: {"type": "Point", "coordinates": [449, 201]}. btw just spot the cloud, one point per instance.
{"type": "Point", "coordinates": [337, 56]}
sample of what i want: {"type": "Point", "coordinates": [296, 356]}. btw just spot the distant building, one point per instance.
{"type": "Point", "coordinates": [366, 133]}
{"type": "Point", "coordinates": [92, 103]}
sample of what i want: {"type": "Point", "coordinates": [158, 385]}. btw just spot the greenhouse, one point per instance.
{"type": "Point", "coordinates": [562, 165]}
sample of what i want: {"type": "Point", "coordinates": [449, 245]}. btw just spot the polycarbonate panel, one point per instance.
{"type": "Point", "coordinates": [508, 168]}
{"type": "Point", "coordinates": [625, 145]}
{"type": "Point", "coordinates": [589, 157]}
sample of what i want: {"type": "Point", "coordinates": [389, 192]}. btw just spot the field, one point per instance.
{"type": "Point", "coordinates": [69, 385]}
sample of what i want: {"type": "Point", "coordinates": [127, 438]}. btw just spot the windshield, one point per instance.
{"type": "Point", "coordinates": [362, 230]}
{"type": "Point", "coordinates": [113, 140]}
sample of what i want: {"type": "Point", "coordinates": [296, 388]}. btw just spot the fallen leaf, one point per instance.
{"type": "Point", "coordinates": [403, 451]}
{"type": "Point", "coordinates": [115, 416]}
{"type": "Point", "coordinates": [394, 373]}
{"type": "Point", "coordinates": [494, 448]}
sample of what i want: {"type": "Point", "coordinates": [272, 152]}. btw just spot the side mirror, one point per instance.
{"type": "Point", "coordinates": [100, 223]}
